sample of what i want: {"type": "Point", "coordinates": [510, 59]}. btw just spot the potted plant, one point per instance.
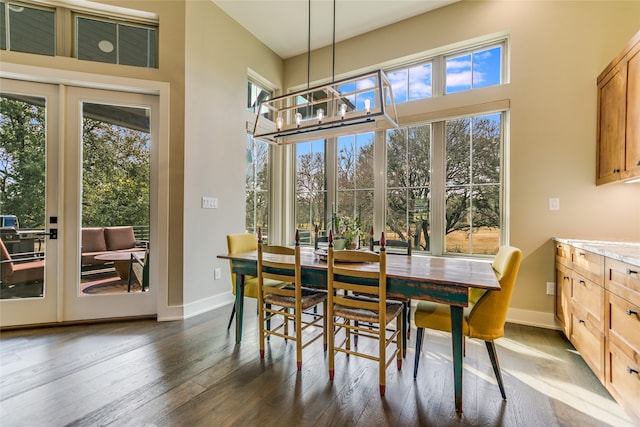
{"type": "Point", "coordinates": [348, 229]}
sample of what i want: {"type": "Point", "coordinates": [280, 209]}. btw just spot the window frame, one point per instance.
{"type": "Point", "coordinates": [430, 112]}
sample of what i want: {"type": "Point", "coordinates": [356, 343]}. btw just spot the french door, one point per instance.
{"type": "Point", "coordinates": [29, 203]}
{"type": "Point", "coordinates": [75, 159]}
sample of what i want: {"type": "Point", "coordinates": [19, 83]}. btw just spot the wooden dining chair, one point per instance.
{"type": "Point", "coordinates": [399, 247]}
{"type": "Point", "coordinates": [485, 316]}
{"type": "Point", "coordinates": [357, 293]}
{"type": "Point", "coordinates": [240, 243]}
{"type": "Point", "coordinates": [291, 302]}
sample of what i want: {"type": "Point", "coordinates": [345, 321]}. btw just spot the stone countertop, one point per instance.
{"type": "Point", "coordinates": [628, 252]}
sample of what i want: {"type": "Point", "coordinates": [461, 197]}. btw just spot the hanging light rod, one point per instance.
{"type": "Point", "coordinates": [357, 104]}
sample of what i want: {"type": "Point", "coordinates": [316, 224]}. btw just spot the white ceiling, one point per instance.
{"type": "Point", "coordinates": [283, 25]}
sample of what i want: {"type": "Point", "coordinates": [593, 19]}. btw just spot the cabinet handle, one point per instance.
{"type": "Point", "coordinates": [566, 277]}
{"type": "Point", "coordinates": [630, 271]}
{"type": "Point", "coordinates": [583, 283]}
{"type": "Point", "coordinates": [638, 163]}
{"type": "Point", "coordinates": [631, 370]}
{"type": "Point", "coordinates": [582, 254]}
{"type": "Point", "coordinates": [616, 171]}
{"type": "Point", "coordinates": [580, 321]}
{"type": "Point", "coordinates": [630, 312]}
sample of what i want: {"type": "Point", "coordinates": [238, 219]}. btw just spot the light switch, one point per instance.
{"type": "Point", "coordinates": [554, 204]}
{"type": "Point", "coordinates": [209, 203]}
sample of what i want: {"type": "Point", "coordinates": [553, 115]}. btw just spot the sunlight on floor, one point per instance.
{"type": "Point", "coordinates": [520, 348]}
{"type": "Point", "coordinates": [598, 407]}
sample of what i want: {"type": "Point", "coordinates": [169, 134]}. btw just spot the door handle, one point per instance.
{"type": "Point", "coordinates": [53, 234]}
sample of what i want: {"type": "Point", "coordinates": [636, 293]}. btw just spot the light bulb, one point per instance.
{"type": "Point", "coordinates": [320, 115]}
{"type": "Point", "coordinates": [279, 123]}
{"type": "Point", "coordinates": [298, 119]}
{"type": "Point", "coordinates": [367, 105]}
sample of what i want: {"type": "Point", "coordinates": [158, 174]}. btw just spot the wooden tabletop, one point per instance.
{"type": "Point", "coordinates": [434, 270]}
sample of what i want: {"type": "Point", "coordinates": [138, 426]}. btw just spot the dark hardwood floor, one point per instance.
{"type": "Point", "coordinates": [191, 373]}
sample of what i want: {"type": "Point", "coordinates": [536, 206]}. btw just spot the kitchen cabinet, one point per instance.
{"type": "Point", "coordinates": [598, 308]}
{"type": "Point", "coordinates": [618, 129]}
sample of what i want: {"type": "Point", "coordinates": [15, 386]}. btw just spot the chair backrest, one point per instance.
{"type": "Point", "coordinates": [237, 244]}
{"type": "Point", "coordinates": [281, 264]}
{"type": "Point", "coordinates": [489, 314]}
{"type": "Point", "coordinates": [6, 263]}
{"type": "Point", "coordinates": [357, 272]}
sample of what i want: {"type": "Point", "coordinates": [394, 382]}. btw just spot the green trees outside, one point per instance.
{"type": "Point", "coordinates": [472, 183]}
{"type": "Point", "coordinates": [22, 160]}
{"type": "Point", "coordinates": [115, 160]}
{"type": "Point", "coordinates": [115, 178]}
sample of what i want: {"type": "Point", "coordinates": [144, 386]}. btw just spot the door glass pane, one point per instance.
{"type": "Point", "coordinates": [115, 197]}
{"type": "Point", "coordinates": [22, 196]}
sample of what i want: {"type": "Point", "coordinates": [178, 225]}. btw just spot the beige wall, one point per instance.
{"type": "Point", "coordinates": [219, 53]}
{"type": "Point", "coordinates": [557, 51]}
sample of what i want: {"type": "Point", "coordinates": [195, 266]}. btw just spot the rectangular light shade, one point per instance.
{"type": "Point", "coordinates": [357, 104]}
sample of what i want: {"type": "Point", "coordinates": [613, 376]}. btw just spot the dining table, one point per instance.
{"type": "Point", "coordinates": [445, 280]}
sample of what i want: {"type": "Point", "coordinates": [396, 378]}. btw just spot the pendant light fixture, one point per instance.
{"type": "Point", "coordinates": [362, 103]}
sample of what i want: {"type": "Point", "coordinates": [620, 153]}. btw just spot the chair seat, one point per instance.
{"type": "Point", "coordinates": [251, 285]}
{"type": "Point", "coordinates": [310, 297]}
{"type": "Point", "coordinates": [438, 316]}
{"type": "Point", "coordinates": [393, 309]}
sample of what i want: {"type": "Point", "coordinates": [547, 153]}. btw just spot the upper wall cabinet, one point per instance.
{"type": "Point", "coordinates": [618, 156]}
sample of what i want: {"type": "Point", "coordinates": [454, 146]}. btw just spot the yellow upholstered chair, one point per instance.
{"type": "Point", "coordinates": [486, 315]}
{"type": "Point", "coordinates": [237, 244]}
{"type": "Point", "coordinates": [280, 263]}
{"type": "Point", "coordinates": [357, 287]}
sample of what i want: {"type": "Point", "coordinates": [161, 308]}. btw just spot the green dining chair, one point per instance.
{"type": "Point", "coordinates": [485, 316]}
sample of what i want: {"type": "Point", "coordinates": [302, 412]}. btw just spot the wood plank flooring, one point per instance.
{"type": "Point", "coordinates": [191, 373]}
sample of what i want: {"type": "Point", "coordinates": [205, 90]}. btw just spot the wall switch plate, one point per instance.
{"type": "Point", "coordinates": [209, 203]}
{"type": "Point", "coordinates": [216, 274]}
{"type": "Point", "coordinates": [551, 288]}
{"type": "Point", "coordinates": [554, 204]}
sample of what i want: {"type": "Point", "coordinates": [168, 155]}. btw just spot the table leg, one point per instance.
{"type": "Point", "coordinates": [456, 338]}
{"type": "Point", "coordinates": [239, 306]}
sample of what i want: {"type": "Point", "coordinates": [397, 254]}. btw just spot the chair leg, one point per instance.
{"type": "Point", "coordinates": [233, 313]}
{"type": "Point", "coordinates": [491, 348]}
{"type": "Point", "coordinates": [408, 309]}
{"type": "Point", "coordinates": [324, 324]}
{"type": "Point", "coordinates": [419, 337]}
{"type": "Point", "coordinates": [400, 342]}
{"type": "Point", "coordinates": [261, 315]}
{"type": "Point", "coordinates": [405, 323]}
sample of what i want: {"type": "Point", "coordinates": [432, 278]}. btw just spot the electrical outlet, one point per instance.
{"type": "Point", "coordinates": [554, 204]}
{"type": "Point", "coordinates": [551, 288]}
{"type": "Point", "coordinates": [217, 273]}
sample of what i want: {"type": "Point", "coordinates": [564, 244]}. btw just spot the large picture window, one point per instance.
{"type": "Point", "coordinates": [473, 184]}
{"type": "Point", "coordinates": [409, 185]}
{"type": "Point", "coordinates": [311, 189]}
{"type": "Point", "coordinates": [257, 187]}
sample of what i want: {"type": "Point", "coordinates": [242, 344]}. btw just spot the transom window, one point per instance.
{"type": "Point", "coordinates": [411, 83]}
{"type": "Point", "coordinates": [128, 38]}
{"type": "Point", "coordinates": [474, 69]}
{"type": "Point", "coordinates": [27, 29]}
{"type": "Point", "coordinates": [115, 42]}
{"type": "Point", "coordinates": [256, 94]}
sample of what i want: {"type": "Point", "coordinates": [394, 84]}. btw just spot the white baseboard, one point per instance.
{"type": "Point", "coordinates": [514, 315]}
{"type": "Point", "coordinates": [540, 319]}
{"type": "Point", "coordinates": [181, 312]}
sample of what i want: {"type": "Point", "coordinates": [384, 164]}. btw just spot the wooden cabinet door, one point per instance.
{"type": "Point", "coordinates": [611, 124]}
{"type": "Point", "coordinates": [632, 151]}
